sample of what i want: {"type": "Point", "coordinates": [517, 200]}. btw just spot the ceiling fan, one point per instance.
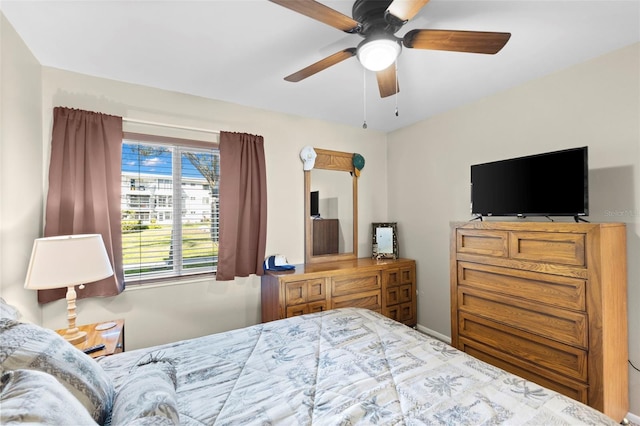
{"type": "Point", "coordinates": [378, 21]}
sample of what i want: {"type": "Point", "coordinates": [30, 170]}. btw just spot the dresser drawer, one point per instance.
{"type": "Point", "coordinates": [565, 292]}
{"type": "Point", "coordinates": [563, 359]}
{"type": "Point", "coordinates": [350, 284]}
{"type": "Point", "coordinates": [306, 308]}
{"type": "Point", "coordinates": [406, 293]}
{"type": "Point", "coordinates": [368, 299]}
{"type": "Point", "coordinates": [408, 275]}
{"type": "Point", "coordinates": [400, 294]}
{"type": "Point", "coordinates": [395, 277]}
{"type": "Point", "coordinates": [402, 313]}
{"type": "Point", "coordinates": [297, 292]}
{"type": "Point", "coordinates": [391, 277]}
{"type": "Point", "coordinates": [489, 243]}
{"type": "Point", "coordinates": [553, 247]}
{"type": "Point", "coordinates": [564, 326]}
{"type": "Point", "coordinates": [571, 388]}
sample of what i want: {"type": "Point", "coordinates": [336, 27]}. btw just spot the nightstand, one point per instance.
{"type": "Point", "coordinates": [112, 337]}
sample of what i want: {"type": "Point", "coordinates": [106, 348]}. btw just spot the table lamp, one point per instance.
{"type": "Point", "coordinates": [67, 261]}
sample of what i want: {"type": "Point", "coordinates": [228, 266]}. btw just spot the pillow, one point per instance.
{"type": "Point", "coordinates": [34, 397]}
{"type": "Point", "coordinates": [8, 311]}
{"type": "Point", "coordinates": [152, 421]}
{"type": "Point", "coordinates": [28, 346]}
{"type": "Point", "coordinates": [148, 395]}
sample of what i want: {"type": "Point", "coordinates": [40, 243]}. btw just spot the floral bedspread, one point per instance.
{"type": "Point", "coordinates": [343, 367]}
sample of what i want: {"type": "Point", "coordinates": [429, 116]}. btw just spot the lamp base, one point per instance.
{"type": "Point", "coordinates": [75, 336]}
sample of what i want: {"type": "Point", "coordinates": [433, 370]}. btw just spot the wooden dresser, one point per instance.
{"type": "Point", "coordinates": [386, 286]}
{"type": "Point", "coordinates": [546, 301]}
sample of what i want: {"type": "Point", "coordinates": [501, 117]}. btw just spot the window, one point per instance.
{"type": "Point", "coordinates": [169, 207]}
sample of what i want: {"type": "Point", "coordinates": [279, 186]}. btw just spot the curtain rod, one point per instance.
{"type": "Point", "coordinates": [173, 126]}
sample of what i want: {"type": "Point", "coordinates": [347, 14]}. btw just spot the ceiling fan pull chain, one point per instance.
{"type": "Point", "coordinates": [364, 97]}
{"type": "Point", "coordinates": [396, 65]}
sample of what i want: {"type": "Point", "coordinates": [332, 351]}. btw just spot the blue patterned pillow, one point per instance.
{"type": "Point", "coordinates": [148, 396]}
{"type": "Point", "coordinates": [34, 397]}
{"type": "Point", "coordinates": [28, 346]}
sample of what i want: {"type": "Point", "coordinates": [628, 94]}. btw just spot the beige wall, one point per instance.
{"type": "Point", "coordinates": [595, 104]}
{"type": "Point", "coordinates": [20, 167]}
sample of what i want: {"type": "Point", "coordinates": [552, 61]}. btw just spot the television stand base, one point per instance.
{"type": "Point", "coordinates": [580, 219]}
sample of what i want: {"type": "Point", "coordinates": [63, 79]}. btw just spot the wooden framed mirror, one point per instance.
{"type": "Point", "coordinates": [331, 233]}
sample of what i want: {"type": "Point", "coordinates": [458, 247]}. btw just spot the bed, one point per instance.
{"type": "Point", "coordinates": [338, 367]}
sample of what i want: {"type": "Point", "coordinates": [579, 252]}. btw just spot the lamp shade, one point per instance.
{"type": "Point", "coordinates": [67, 261]}
{"type": "Point", "coordinates": [378, 54]}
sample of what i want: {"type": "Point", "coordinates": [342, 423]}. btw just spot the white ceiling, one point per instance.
{"type": "Point", "coordinates": [240, 50]}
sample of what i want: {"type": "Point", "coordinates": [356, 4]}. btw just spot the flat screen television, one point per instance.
{"type": "Point", "coordinates": [315, 208]}
{"type": "Point", "coordinates": [549, 184]}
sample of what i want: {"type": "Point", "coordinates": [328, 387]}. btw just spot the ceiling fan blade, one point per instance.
{"type": "Point", "coordinates": [387, 83]}
{"type": "Point", "coordinates": [406, 9]}
{"type": "Point", "coordinates": [456, 41]}
{"type": "Point", "coordinates": [322, 13]}
{"type": "Point", "coordinates": [321, 65]}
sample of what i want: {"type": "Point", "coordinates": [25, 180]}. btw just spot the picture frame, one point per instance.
{"type": "Point", "coordinates": [384, 244]}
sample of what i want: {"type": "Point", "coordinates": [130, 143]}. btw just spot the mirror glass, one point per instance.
{"type": "Point", "coordinates": [332, 227]}
{"type": "Point", "coordinates": [385, 240]}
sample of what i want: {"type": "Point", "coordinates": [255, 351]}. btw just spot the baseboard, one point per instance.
{"type": "Point", "coordinates": [433, 333]}
{"type": "Point", "coordinates": [633, 418]}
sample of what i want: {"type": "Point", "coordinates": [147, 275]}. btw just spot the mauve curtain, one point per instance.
{"type": "Point", "coordinates": [84, 189]}
{"type": "Point", "coordinates": [243, 206]}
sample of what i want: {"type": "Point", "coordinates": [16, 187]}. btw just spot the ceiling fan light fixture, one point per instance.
{"type": "Point", "coordinates": [378, 54]}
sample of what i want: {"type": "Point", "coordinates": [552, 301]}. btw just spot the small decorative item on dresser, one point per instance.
{"type": "Point", "coordinates": [110, 334]}
{"type": "Point", "coordinates": [384, 241]}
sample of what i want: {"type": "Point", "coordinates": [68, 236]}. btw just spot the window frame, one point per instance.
{"type": "Point", "coordinates": [177, 210]}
